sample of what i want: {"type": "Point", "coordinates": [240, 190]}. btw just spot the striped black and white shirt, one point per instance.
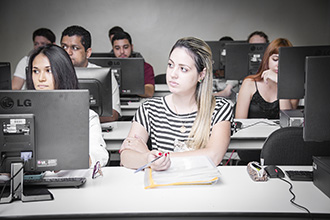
{"type": "Point", "coordinates": [163, 125]}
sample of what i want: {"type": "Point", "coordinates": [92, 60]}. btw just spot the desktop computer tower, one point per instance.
{"type": "Point", "coordinates": [321, 174]}
{"type": "Point", "coordinates": [291, 118]}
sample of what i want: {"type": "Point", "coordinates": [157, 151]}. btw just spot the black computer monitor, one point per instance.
{"type": "Point", "coordinates": [218, 49]}
{"type": "Point", "coordinates": [50, 126]}
{"type": "Point", "coordinates": [291, 69]}
{"type": "Point", "coordinates": [129, 73]}
{"type": "Point", "coordinates": [243, 59]}
{"type": "Point", "coordinates": [98, 82]}
{"type": "Point", "coordinates": [102, 54]}
{"type": "Point", "coordinates": [5, 76]}
{"type": "Point", "coordinates": [317, 90]}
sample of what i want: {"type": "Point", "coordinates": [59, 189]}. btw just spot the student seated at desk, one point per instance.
{"type": "Point", "coordinates": [258, 94]}
{"type": "Point", "coordinates": [50, 68]}
{"type": "Point", "coordinates": [77, 42]}
{"type": "Point", "coordinates": [123, 48]}
{"type": "Point", "coordinates": [189, 121]}
{"type": "Point", "coordinates": [257, 97]}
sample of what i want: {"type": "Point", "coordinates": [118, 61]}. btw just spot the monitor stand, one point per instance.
{"type": "Point", "coordinates": [28, 194]}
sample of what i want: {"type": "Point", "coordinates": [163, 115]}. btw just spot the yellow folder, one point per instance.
{"type": "Point", "coordinates": [195, 170]}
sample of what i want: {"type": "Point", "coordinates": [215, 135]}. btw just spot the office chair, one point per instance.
{"type": "Point", "coordinates": [286, 146]}
{"type": "Point", "coordinates": [160, 78]}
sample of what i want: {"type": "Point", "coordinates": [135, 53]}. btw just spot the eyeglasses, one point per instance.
{"type": "Point", "coordinates": [97, 170]}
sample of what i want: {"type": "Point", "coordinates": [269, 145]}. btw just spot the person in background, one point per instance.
{"type": "Point", "coordinates": [114, 30]}
{"type": "Point", "coordinates": [257, 37]}
{"type": "Point", "coordinates": [123, 48]}
{"type": "Point", "coordinates": [51, 68]}
{"type": "Point", "coordinates": [40, 37]}
{"type": "Point", "coordinates": [189, 121]}
{"type": "Point", "coordinates": [257, 97]}
{"type": "Point", "coordinates": [258, 94]}
{"type": "Point", "coordinates": [77, 42]}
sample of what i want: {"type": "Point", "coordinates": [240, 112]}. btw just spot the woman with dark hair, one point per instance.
{"type": "Point", "coordinates": [257, 97]}
{"type": "Point", "coordinates": [50, 68]}
{"type": "Point", "coordinates": [189, 121]}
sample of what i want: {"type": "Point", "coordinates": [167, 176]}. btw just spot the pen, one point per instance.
{"type": "Point", "coordinates": [148, 164]}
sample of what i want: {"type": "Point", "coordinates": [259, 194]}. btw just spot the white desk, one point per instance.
{"type": "Point", "coordinates": [130, 109]}
{"type": "Point", "coordinates": [249, 138]}
{"type": "Point", "coordinates": [253, 137]}
{"type": "Point", "coordinates": [161, 90]}
{"type": "Point", "coordinates": [120, 194]}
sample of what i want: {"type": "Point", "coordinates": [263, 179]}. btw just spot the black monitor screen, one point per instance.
{"type": "Point", "coordinates": [129, 73]}
{"type": "Point", "coordinates": [316, 112]}
{"type": "Point", "coordinates": [5, 76]}
{"type": "Point", "coordinates": [243, 59]}
{"type": "Point", "coordinates": [51, 126]}
{"type": "Point", "coordinates": [218, 49]}
{"type": "Point", "coordinates": [98, 82]}
{"type": "Point", "coordinates": [291, 69]}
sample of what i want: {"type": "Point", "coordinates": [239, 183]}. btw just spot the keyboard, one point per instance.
{"type": "Point", "coordinates": [55, 182]}
{"type": "Point", "coordinates": [300, 175]}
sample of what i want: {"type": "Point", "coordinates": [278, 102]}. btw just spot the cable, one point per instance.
{"type": "Point", "coordinates": [3, 157]}
{"type": "Point", "coordinates": [294, 197]}
{"type": "Point", "coordinates": [11, 178]}
{"type": "Point", "coordinates": [259, 122]}
{"type": "Point", "coordinates": [230, 157]}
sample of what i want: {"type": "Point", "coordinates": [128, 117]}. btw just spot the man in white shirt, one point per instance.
{"type": "Point", "coordinates": [76, 41]}
{"type": "Point", "coordinates": [40, 37]}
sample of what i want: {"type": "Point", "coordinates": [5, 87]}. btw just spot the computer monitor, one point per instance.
{"type": "Point", "coordinates": [243, 59]}
{"type": "Point", "coordinates": [5, 76]}
{"type": "Point", "coordinates": [102, 54]}
{"type": "Point", "coordinates": [51, 126]}
{"type": "Point", "coordinates": [218, 49]}
{"type": "Point", "coordinates": [291, 69]}
{"type": "Point", "coordinates": [98, 82]}
{"type": "Point", "coordinates": [129, 73]}
{"type": "Point", "coordinates": [317, 90]}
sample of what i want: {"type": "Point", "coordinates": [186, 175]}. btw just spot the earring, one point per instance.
{"type": "Point", "coordinates": [200, 81]}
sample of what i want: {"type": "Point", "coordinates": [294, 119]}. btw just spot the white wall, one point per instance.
{"type": "Point", "coordinates": [155, 25]}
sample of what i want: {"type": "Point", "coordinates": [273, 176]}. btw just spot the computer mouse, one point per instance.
{"type": "Point", "coordinates": [274, 171]}
{"type": "Point", "coordinates": [238, 124]}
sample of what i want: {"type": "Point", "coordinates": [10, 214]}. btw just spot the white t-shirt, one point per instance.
{"type": "Point", "coordinates": [115, 90]}
{"type": "Point", "coordinates": [97, 150]}
{"type": "Point", "coordinates": [20, 69]}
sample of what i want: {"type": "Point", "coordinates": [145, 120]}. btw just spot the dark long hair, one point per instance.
{"type": "Point", "coordinates": [61, 65]}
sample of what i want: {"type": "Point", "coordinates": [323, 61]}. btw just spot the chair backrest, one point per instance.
{"type": "Point", "coordinates": [160, 78]}
{"type": "Point", "coordinates": [286, 146]}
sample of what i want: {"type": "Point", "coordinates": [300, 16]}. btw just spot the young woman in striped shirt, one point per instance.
{"type": "Point", "coordinates": [190, 121]}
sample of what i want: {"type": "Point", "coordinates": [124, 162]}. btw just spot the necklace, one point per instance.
{"type": "Point", "coordinates": [183, 128]}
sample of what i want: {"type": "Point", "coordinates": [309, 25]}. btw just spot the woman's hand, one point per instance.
{"type": "Point", "coordinates": [269, 75]}
{"type": "Point", "coordinates": [134, 143]}
{"type": "Point", "coordinates": [162, 163]}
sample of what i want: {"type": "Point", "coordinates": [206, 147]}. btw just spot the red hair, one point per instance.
{"type": "Point", "coordinates": [273, 48]}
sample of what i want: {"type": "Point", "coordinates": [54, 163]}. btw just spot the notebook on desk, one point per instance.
{"type": "Point", "coordinates": [196, 170]}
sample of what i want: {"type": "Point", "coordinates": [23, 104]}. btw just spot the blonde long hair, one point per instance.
{"type": "Point", "coordinates": [202, 55]}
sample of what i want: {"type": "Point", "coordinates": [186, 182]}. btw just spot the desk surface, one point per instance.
{"type": "Point", "coordinates": [250, 137]}
{"type": "Point", "coordinates": [255, 129]}
{"type": "Point", "coordinates": [121, 193]}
